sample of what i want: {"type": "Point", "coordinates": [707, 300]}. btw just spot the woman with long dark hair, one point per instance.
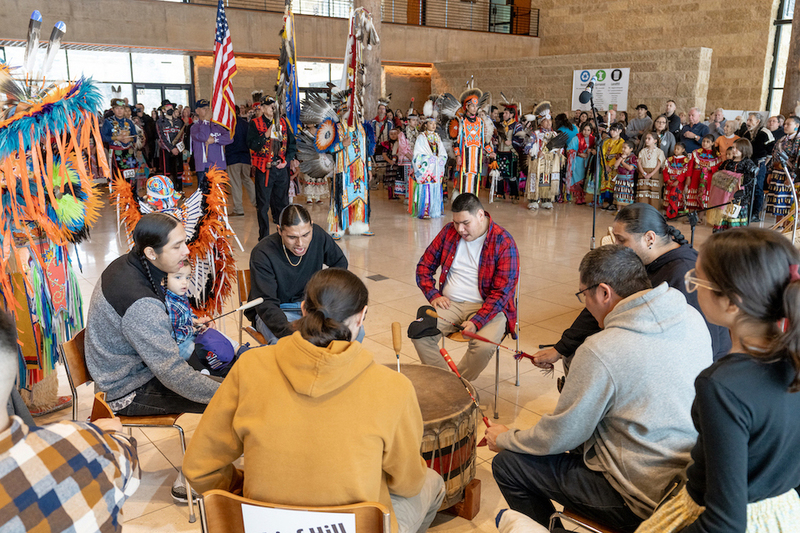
{"type": "Point", "coordinates": [745, 466]}
{"type": "Point", "coordinates": [667, 257]}
{"type": "Point", "coordinates": [318, 421]}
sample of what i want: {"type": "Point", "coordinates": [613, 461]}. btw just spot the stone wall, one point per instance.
{"type": "Point", "coordinates": [656, 76]}
{"type": "Point", "coordinates": [740, 32]}
{"type": "Point", "coordinates": [403, 83]}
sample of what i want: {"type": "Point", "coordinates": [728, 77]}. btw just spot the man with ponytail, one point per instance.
{"type": "Point", "coordinates": [318, 421]}
{"type": "Point", "coordinates": [667, 257]}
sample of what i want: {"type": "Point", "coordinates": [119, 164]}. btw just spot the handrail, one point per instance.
{"type": "Point", "coordinates": [453, 14]}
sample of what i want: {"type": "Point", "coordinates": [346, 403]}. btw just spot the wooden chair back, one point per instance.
{"type": "Point", "coordinates": [75, 360]}
{"type": "Point", "coordinates": [221, 511]}
{"type": "Point", "coordinates": [243, 283]}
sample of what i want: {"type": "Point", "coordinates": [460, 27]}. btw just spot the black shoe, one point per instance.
{"type": "Point", "coordinates": [560, 383]}
{"type": "Point", "coordinates": [755, 218]}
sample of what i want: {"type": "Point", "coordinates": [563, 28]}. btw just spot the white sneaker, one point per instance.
{"type": "Point", "coordinates": [533, 205]}
{"type": "Point", "coordinates": [547, 205]}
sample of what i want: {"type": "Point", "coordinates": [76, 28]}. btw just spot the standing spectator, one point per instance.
{"type": "Point", "coordinates": [762, 140]}
{"type": "Point", "coordinates": [579, 150]}
{"type": "Point", "coordinates": [150, 136]}
{"type": "Point", "coordinates": [716, 123]}
{"type": "Point", "coordinates": [272, 149]}
{"type": "Point", "coordinates": [169, 129]}
{"type": "Point", "coordinates": [208, 140]}
{"type": "Point", "coordinates": [693, 132]}
{"type": "Point", "coordinates": [779, 199]}
{"type": "Point", "coordinates": [724, 142]}
{"type": "Point", "coordinates": [775, 125]}
{"type": "Point", "coordinates": [640, 124]}
{"type": "Point", "coordinates": [120, 134]}
{"type": "Point", "coordinates": [238, 157]}
{"type": "Point", "coordinates": [664, 138]}
{"type": "Point", "coordinates": [673, 118]}
{"type": "Point", "coordinates": [622, 118]}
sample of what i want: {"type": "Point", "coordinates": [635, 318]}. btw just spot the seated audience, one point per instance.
{"type": "Point", "coordinates": [318, 421]}
{"type": "Point", "coordinates": [280, 267]}
{"type": "Point", "coordinates": [68, 476]}
{"type": "Point", "coordinates": [479, 272]}
{"type": "Point", "coordinates": [744, 465]}
{"type": "Point", "coordinates": [625, 407]}
{"type": "Point", "coordinates": [692, 133]}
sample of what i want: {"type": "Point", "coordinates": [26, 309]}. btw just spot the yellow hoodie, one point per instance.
{"type": "Point", "coordinates": [317, 426]}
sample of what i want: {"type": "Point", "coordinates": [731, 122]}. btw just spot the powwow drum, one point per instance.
{"type": "Point", "coordinates": [450, 417]}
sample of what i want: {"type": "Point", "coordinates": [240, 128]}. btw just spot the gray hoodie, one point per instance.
{"type": "Point", "coordinates": [629, 397]}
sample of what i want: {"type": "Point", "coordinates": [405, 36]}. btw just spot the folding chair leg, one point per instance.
{"type": "Point", "coordinates": [496, 380]}
{"type": "Point", "coordinates": [189, 498]}
{"type": "Point", "coordinates": [517, 382]}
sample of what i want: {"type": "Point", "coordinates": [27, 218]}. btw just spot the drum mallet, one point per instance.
{"type": "Point", "coordinates": [397, 341]}
{"type": "Point", "coordinates": [434, 314]}
{"type": "Point", "coordinates": [248, 305]}
{"type": "Point", "coordinates": [454, 368]}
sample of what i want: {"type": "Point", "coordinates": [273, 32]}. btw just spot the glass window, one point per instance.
{"type": "Point", "coordinates": [161, 68]}
{"type": "Point", "coordinates": [177, 96]}
{"type": "Point", "coordinates": [100, 66]}
{"type": "Point", "coordinates": [312, 74]}
{"type": "Point", "coordinates": [58, 71]}
{"type": "Point", "coordinates": [323, 8]}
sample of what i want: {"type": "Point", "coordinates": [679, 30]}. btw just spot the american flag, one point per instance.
{"type": "Point", "coordinates": [223, 107]}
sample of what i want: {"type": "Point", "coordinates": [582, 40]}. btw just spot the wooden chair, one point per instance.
{"type": "Point", "coordinates": [74, 357]}
{"type": "Point", "coordinates": [574, 518]}
{"type": "Point", "coordinates": [243, 282]}
{"type": "Point", "coordinates": [221, 512]}
{"type": "Point", "coordinates": [458, 337]}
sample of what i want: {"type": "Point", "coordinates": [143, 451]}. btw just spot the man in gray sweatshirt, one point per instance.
{"type": "Point", "coordinates": [622, 428]}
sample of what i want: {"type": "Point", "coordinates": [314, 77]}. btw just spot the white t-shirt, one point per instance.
{"type": "Point", "coordinates": [462, 280]}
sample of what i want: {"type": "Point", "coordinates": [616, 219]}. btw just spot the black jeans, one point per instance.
{"type": "Point", "coordinates": [172, 165]}
{"type": "Point", "coordinates": [529, 482]}
{"type": "Point", "coordinates": [153, 398]}
{"type": "Point", "coordinates": [274, 195]}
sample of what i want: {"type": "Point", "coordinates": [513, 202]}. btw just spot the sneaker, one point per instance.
{"type": "Point", "coordinates": [179, 491]}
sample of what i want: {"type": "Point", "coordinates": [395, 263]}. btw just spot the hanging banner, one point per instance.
{"type": "Point", "coordinates": [610, 90]}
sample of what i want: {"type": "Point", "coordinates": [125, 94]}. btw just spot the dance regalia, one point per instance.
{"type": "Point", "coordinates": [425, 196]}
{"type": "Point", "coordinates": [401, 151]}
{"type": "Point", "coordinates": [648, 190]}
{"type": "Point", "coordinates": [625, 184]}
{"type": "Point", "coordinates": [612, 149]}
{"type": "Point", "coordinates": [703, 164]}
{"type": "Point", "coordinates": [544, 168]}
{"type": "Point", "coordinates": [123, 155]}
{"type": "Point", "coordinates": [508, 155]}
{"type": "Point", "coordinates": [676, 172]}
{"type": "Point", "coordinates": [779, 199]}
{"type": "Point", "coordinates": [576, 167]}
{"type": "Point", "coordinates": [382, 146]}
{"type": "Point", "coordinates": [732, 176]}
{"type": "Point", "coordinates": [472, 141]}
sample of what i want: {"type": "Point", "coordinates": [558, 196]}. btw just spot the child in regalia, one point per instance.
{"type": "Point", "coordinates": [625, 181]}
{"type": "Point", "coordinates": [703, 164]}
{"type": "Point", "coordinates": [612, 151]}
{"type": "Point", "coordinates": [676, 172]}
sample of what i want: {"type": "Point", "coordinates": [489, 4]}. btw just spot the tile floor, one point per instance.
{"type": "Point", "coordinates": [551, 245]}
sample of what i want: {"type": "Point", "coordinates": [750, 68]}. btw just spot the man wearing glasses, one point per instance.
{"type": "Point", "coordinates": [626, 405]}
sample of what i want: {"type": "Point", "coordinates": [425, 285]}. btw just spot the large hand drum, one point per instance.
{"type": "Point", "coordinates": [448, 443]}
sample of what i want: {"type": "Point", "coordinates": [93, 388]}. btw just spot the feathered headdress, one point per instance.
{"type": "Point", "coordinates": [257, 96]}
{"type": "Point", "coordinates": [385, 100]}
{"type": "Point", "coordinates": [470, 95]}
{"type": "Point", "coordinates": [542, 110]}
{"type": "Point", "coordinates": [429, 109]}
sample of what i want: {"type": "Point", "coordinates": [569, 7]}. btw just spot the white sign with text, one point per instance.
{"type": "Point", "coordinates": [267, 520]}
{"type": "Point", "coordinates": [610, 90]}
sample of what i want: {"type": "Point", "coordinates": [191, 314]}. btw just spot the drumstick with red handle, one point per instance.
{"type": "Point", "coordinates": [470, 335]}
{"type": "Point", "coordinates": [454, 368]}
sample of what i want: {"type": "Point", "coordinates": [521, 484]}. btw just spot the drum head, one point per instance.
{"type": "Point", "coordinates": [441, 394]}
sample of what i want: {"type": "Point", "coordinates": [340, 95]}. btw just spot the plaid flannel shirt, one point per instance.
{"type": "Point", "coordinates": [65, 476]}
{"type": "Point", "coordinates": [498, 272]}
{"type": "Point", "coordinates": [180, 316]}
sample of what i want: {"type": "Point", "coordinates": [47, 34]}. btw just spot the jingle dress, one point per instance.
{"type": "Point", "coordinates": [576, 167]}
{"type": "Point", "coordinates": [625, 184]}
{"type": "Point", "coordinates": [779, 198]}
{"type": "Point", "coordinates": [544, 167]}
{"type": "Point", "coordinates": [703, 165]}
{"type": "Point", "coordinates": [676, 172]}
{"type": "Point", "coordinates": [612, 149]}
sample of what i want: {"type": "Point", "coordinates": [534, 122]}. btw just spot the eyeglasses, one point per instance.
{"type": "Point", "coordinates": [692, 282]}
{"type": "Point", "coordinates": [579, 294]}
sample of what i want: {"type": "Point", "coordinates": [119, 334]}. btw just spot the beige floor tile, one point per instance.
{"type": "Point", "coordinates": [157, 476]}
{"type": "Point", "coordinates": [173, 518]}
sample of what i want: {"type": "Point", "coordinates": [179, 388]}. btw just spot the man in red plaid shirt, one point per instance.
{"type": "Point", "coordinates": [478, 280]}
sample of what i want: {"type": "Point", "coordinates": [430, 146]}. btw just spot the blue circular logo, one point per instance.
{"type": "Point", "coordinates": [585, 76]}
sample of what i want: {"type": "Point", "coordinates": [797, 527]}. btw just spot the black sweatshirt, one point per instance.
{"type": "Point", "coordinates": [670, 267]}
{"type": "Point", "coordinates": [748, 439]}
{"type": "Point", "coordinates": [277, 281]}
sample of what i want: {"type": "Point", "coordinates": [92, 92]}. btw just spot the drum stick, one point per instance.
{"type": "Point", "coordinates": [517, 355]}
{"type": "Point", "coordinates": [454, 368]}
{"type": "Point", "coordinates": [248, 305]}
{"type": "Point", "coordinates": [543, 346]}
{"type": "Point", "coordinates": [434, 314]}
{"type": "Point", "coordinates": [397, 341]}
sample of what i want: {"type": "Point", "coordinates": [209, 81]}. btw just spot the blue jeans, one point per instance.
{"type": "Point", "coordinates": [529, 482]}
{"type": "Point", "coordinates": [292, 312]}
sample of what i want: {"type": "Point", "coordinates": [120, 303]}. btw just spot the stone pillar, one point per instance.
{"type": "Point", "coordinates": [372, 61]}
{"type": "Point", "coordinates": [791, 85]}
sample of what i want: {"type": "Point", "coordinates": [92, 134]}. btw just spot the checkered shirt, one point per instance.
{"type": "Point", "coordinates": [68, 476]}
{"type": "Point", "coordinates": [498, 272]}
{"type": "Point", "coordinates": [180, 315]}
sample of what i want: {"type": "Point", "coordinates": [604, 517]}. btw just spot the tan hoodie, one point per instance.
{"type": "Point", "coordinates": [317, 426]}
